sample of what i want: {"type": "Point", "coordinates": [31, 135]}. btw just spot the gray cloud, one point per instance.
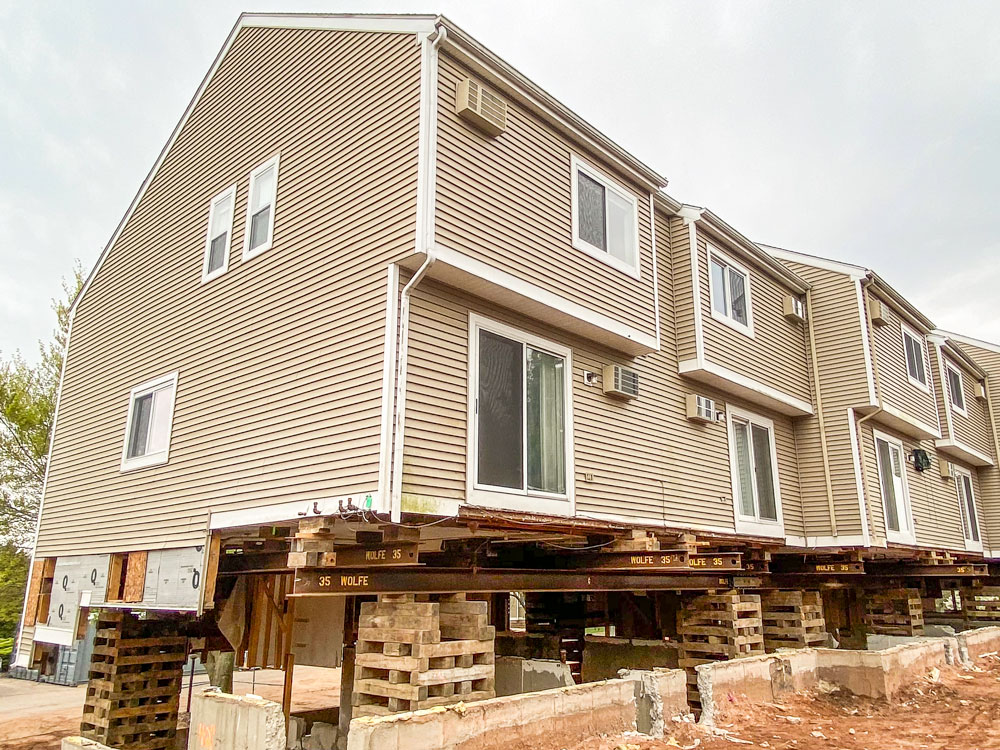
{"type": "Point", "coordinates": [856, 130]}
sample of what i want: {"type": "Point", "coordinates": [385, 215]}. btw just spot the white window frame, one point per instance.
{"type": "Point", "coordinates": [505, 497]}
{"type": "Point", "coordinates": [905, 331]}
{"type": "Point", "coordinates": [247, 252]}
{"type": "Point", "coordinates": [229, 194]}
{"type": "Point", "coordinates": [963, 409]}
{"type": "Point", "coordinates": [909, 534]}
{"type": "Point", "coordinates": [970, 544]}
{"type": "Point", "coordinates": [747, 524]}
{"type": "Point", "coordinates": [605, 256]}
{"type": "Point", "coordinates": [160, 457]}
{"type": "Point", "coordinates": [727, 319]}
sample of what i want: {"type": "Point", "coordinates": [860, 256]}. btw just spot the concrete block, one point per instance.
{"type": "Point", "coordinates": [322, 736]}
{"type": "Point", "coordinates": [228, 722]}
{"type": "Point", "coordinates": [296, 731]}
{"type": "Point", "coordinates": [81, 743]}
{"type": "Point", "coordinates": [515, 675]}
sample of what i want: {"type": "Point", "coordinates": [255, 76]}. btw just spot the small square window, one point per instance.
{"type": "Point", "coordinates": [913, 349]}
{"type": "Point", "coordinates": [220, 231]}
{"type": "Point", "coordinates": [729, 289]}
{"type": "Point", "coordinates": [605, 219]}
{"type": "Point", "coordinates": [259, 232]}
{"type": "Point", "coordinates": [956, 393]}
{"type": "Point", "coordinates": [150, 415]}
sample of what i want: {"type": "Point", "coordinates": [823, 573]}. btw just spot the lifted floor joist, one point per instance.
{"type": "Point", "coordinates": [319, 582]}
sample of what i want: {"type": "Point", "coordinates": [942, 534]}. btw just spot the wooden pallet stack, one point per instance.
{"type": "Point", "coordinates": [717, 627]}
{"type": "Point", "coordinates": [894, 612]}
{"type": "Point", "coordinates": [792, 619]}
{"type": "Point", "coordinates": [420, 654]}
{"type": "Point", "coordinates": [135, 681]}
{"type": "Point", "coordinates": [981, 605]}
{"type": "Point", "coordinates": [562, 614]}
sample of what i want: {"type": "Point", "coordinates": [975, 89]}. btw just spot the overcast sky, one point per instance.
{"type": "Point", "coordinates": [864, 131]}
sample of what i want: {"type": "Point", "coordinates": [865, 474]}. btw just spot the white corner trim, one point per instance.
{"type": "Point", "coordinates": [656, 271]}
{"type": "Point", "coordinates": [744, 525]}
{"type": "Point", "coordinates": [693, 365]}
{"type": "Point", "coordinates": [288, 511]}
{"type": "Point", "coordinates": [388, 370]}
{"type": "Point", "coordinates": [866, 344]}
{"type": "Point", "coordinates": [481, 270]}
{"type": "Point", "coordinates": [855, 272]}
{"type": "Point", "coordinates": [858, 480]}
{"type": "Point", "coordinates": [699, 331]}
{"type": "Point", "coordinates": [579, 165]}
{"type": "Point", "coordinates": [929, 431]}
{"type": "Point", "coordinates": [340, 22]}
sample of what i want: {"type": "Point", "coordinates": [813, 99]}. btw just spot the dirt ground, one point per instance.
{"type": "Point", "coordinates": [959, 710]}
{"type": "Point", "coordinates": [35, 716]}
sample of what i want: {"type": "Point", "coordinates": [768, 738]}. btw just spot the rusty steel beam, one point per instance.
{"type": "Point", "coordinates": [319, 582]}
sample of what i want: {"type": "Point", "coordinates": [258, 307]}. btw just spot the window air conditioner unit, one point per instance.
{"type": "Point", "coordinates": [481, 107]}
{"type": "Point", "coordinates": [620, 381]}
{"type": "Point", "coordinates": [980, 391]}
{"type": "Point", "coordinates": [877, 313]}
{"type": "Point", "coordinates": [701, 409]}
{"type": "Point", "coordinates": [947, 470]}
{"type": "Point", "coordinates": [794, 309]}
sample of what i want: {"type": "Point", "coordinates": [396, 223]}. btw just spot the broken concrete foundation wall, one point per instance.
{"type": "Point", "coordinates": [564, 715]}
{"type": "Point", "coordinates": [974, 643]}
{"type": "Point", "coordinates": [515, 675]}
{"type": "Point", "coordinates": [604, 656]}
{"type": "Point", "coordinates": [229, 722]}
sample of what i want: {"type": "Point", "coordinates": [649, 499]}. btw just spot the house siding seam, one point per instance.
{"type": "Point", "coordinates": [288, 345]}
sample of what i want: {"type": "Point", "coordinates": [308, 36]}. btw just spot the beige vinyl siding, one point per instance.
{"type": "Point", "coordinates": [934, 500]}
{"type": "Point", "coordinates": [897, 390]}
{"type": "Point", "coordinates": [649, 463]}
{"type": "Point", "coordinates": [776, 355]}
{"type": "Point", "coordinates": [25, 645]}
{"type": "Point", "coordinates": [683, 288]}
{"type": "Point", "coordinates": [972, 428]}
{"type": "Point", "coordinates": [989, 477]}
{"type": "Point", "coordinates": [508, 202]}
{"type": "Point", "coordinates": [279, 359]}
{"type": "Point", "coordinates": [843, 379]}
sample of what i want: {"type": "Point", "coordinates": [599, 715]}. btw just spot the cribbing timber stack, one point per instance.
{"type": "Point", "coordinates": [135, 681]}
{"type": "Point", "coordinates": [792, 619]}
{"type": "Point", "coordinates": [420, 654]}
{"type": "Point", "coordinates": [981, 605]}
{"type": "Point", "coordinates": [716, 627]}
{"type": "Point", "coordinates": [894, 612]}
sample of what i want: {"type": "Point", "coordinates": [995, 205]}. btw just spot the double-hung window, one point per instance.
{"type": "Point", "coordinates": [520, 421]}
{"type": "Point", "coordinates": [220, 230]}
{"type": "Point", "coordinates": [913, 349]}
{"type": "Point", "coordinates": [956, 394]}
{"type": "Point", "coordinates": [150, 416]}
{"type": "Point", "coordinates": [259, 231]}
{"type": "Point", "coordinates": [895, 496]}
{"type": "Point", "coordinates": [729, 289]}
{"type": "Point", "coordinates": [605, 219]}
{"type": "Point", "coordinates": [753, 463]}
{"type": "Point", "coordinates": [967, 508]}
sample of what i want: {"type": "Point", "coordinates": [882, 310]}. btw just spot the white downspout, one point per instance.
{"type": "Point", "coordinates": [424, 244]}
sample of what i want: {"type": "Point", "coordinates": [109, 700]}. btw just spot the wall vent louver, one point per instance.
{"type": "Point", "coordinates": [700, 408]}
{"type": "Point", "coordinates": [877, 313]}
{"type": "Point", "coordinates": [947, 469]}
{"type": "Point", "coordinates": [794, 309]}
{"type": "Point", "coordinates": [980, 391]}
{"type": "Point", "coordinates": [480, 107]}
{"type": "Point", "coordinates": [620, 381]}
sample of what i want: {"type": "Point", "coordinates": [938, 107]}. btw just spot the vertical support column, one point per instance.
{"type": "Point", "coordinates": [792, 619]}
{"type": "Point", "coordinates": [895, 612]}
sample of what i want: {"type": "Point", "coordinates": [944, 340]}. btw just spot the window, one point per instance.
{"type": "Point", "coordinates": [755, 473]}
{"type": "Point", "coordinates": [956, 394]}
{"type": "Point", "coordinates": [892, 479]}
{"type": "Point", "coordinates": [605, 219]}
{"type": "Point", "coordinates": [729, 289]}
{"type": "Point", "coordinates": [913, 348]}
{"type": "Point", "coordinates": [220, 230]}
{"type": "Point", "coordinates": [150, 414]}
{"type": "Point", "coordinates": [259, 231]}
{"type": "Point", "coordinates": [521, 405]}
{"type": "Point", "coordinates": [967, 508]}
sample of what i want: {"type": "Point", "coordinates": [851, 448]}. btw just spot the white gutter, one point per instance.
{"type": "Point", "coordinates": [426, 184]}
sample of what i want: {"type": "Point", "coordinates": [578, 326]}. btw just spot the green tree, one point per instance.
{"type": "Point", "coordinates": [13, 575]}
{"type": "Point", "coordinates": [27, 406]}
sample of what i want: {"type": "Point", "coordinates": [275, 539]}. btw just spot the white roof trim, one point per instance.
{"type": "Point", "coordinates": [855, 272]}
{"type": "Point", "coordinates": [987, 345]}
{"type": "Point", "coordinates": [390, 24]}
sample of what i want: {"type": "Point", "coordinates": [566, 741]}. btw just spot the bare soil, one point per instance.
{"type": "Point", "coordinates": [960, 710]}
